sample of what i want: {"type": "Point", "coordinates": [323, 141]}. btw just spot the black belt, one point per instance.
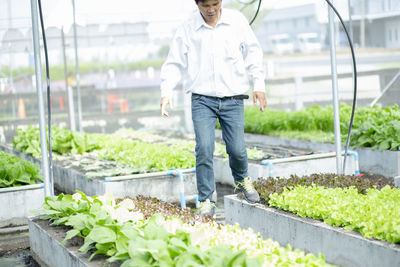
{"type": "Point", "coordinates": [226, 97]}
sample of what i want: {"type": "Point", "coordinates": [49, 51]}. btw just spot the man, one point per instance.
{"type": "Point", "coordinates": [218, 52]}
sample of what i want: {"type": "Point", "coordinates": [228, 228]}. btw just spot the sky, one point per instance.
{"type": "Point", "coordinates": [163, 15]}
{"type": "Point", "coordinates": [59, 12]}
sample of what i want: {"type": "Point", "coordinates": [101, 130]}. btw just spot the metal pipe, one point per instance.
{"type": "Point", "coordinates": [181, 187]}
{"type": "Point", "coordinates": [384, 90]}
{"type": "Point", "coordinates": [71, 110]}
{"type": "Point", "coordinates": [179, 173]}
{"type": "Point", "coordinates": [270, 163]}
{"type": "Point", "coordinates": [48, 186]}
{"type": "Point", "coordinates": [135, 176]}
{"type": "Point", "coordinates": [142, 175]}
{"type": "Point", "coordinates": [354, 154]}
{"type": "Point", "coordinates": [14, 100]}
{"type": "Point", "coordinates": [78, 88]}
{"type": "Point", "coordinates": [350, 20]}
{"type": "Point", "coordinates": [362, 24]}
{"type": "Point", "coordinates": [21, 188]}
{"type": "Point", "coordinates": [270, 167]}
{"type": "Point", "coordinates": [332, 44]}
{"type": "Point", "coordinates": [300, 158]}
{"type": "Point", "coordinates": [182, 196]}
{"type": "Point", "coordinates": [298, 82]}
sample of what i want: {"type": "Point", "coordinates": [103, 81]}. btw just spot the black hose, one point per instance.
{"type": "Point", "coordinates": [48, 91]}
{"type": "Point", "coordinates": [355, 84]}
{"type": "Point", "coordinates": [250, 2]}
{"type": "Point", "coordinates": [258, 9]}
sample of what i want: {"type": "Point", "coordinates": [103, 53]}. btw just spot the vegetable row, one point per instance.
{"type": "Point", "coordinates": [354, 203]}
{"type": "Point", "coordinates": [120, 231]}
{"type": "Point", "coordinates": [132, 151]}
{"type": "Point", "coordinates": [373, 127]}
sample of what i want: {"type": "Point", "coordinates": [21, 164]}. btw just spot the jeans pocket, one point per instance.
{"type": "Point", "coordinates": [238, 101]}
{"type": "Point", "coordinates": [196, 97]}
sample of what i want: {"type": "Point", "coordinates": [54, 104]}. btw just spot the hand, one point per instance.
{"type": "Point", "coordinates": [163, 104]}
{"type": "Point", "coordinates": [261, 98]}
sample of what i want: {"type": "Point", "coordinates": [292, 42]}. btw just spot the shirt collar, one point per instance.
{"type": "Point", "coordinates": [199, 21]}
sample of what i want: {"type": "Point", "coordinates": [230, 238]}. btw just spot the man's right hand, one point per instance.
{"type": "Point", "coordinates": [163, 105]}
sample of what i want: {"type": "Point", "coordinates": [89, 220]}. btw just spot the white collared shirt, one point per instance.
{"type": "Point", "coordinates": [218, 61]}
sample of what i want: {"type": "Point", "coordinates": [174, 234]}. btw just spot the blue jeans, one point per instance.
{"type": "Point", "coordinates": [230, 113]}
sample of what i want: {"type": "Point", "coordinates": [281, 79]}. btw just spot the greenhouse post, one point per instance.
{"type": "Point", "coordinates": [332, 45]}
{"type": "Point", "coordinates": [38, 70]}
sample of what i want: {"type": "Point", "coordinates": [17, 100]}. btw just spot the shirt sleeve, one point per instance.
{"type": "Point", "coordinates": [176, 64]}
{"type": "Point", "coordinates": [253, 58]}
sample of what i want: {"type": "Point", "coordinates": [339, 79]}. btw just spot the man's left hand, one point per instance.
{"type": "Point", "coordinates": [261, 98]}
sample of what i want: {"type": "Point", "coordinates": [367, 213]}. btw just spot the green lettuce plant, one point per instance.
{"type": "Point", "coordinates": [373, 127]}
{"type": "Point", "coordinates": [120, 231]}
{"type": "Point", "coordinates": [375, 214]}
{"type": "Point", "coordinates": [15, 171]}
{"type": "Point", "coordinates": [63, 141]}
{"type": "Point", "coordinates": [265, 187]}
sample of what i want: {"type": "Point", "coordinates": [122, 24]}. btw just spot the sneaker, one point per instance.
{"type": "Point", "coordinates": [248, 190]}
{"type": "Point", "coordinates": [207, 208]}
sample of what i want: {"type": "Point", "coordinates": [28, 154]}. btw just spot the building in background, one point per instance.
{"type": "Point", "coordinates": [290, 29]}
{"type": "Point", "coordinates": [304, 28]}
{"type": "Point", "coordinates": [110, 42]}
{"type": "Point", "coordinates": [380, 21]}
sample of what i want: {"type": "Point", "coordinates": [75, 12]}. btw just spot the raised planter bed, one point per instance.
{"type": "Point", "coordinates": [165, 186]}
{"type": "Point", "coordinates": [386, 163]}
{"type": "Point", "coordinates": [46, 249]}
{"type": "Point", "coordinates": [201, 237]}
{"type": "Point", "coordinates": [17, 202]}
{"type": "Point", "coordinates": [291, 164]}
{"type": "Point", "coordinates": [281, 160]}
{"type": "Point", "coordinates": [301, 165]}
{"type": "Point", "coordinates": [339, 246]}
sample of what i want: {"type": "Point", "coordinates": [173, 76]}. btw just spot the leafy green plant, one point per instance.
{"type": "Point", "coordinates": [375, 214]}
{"type": "Point", "coordinates": [348, 201]}
{"type": "Point", "coordinates": [379, 128]}
{"type": "Point", "coordinates": [15, 171]}
{"type": "Point", "coordinates": [146, 156]}
{"type": "Point", "coordinates": [183, 143]}
{"type": "Point", "coordinates": [118, 230]}
{"type": "Point", "coordinates": [131, 154]}
{"type": "Point", "coordinates": [63, 141]}
{"type": "Point", "coordinates": [28, 141]}
{"type": "Point", "coordinates": [268, 186]}
{"type": "Point", "coordinates": [134, 242]}
{"type": "Point", "coordinates": [373, 127]}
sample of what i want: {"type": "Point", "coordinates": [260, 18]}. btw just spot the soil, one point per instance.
{"type": "Point", "coordinates": [376, 177]}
